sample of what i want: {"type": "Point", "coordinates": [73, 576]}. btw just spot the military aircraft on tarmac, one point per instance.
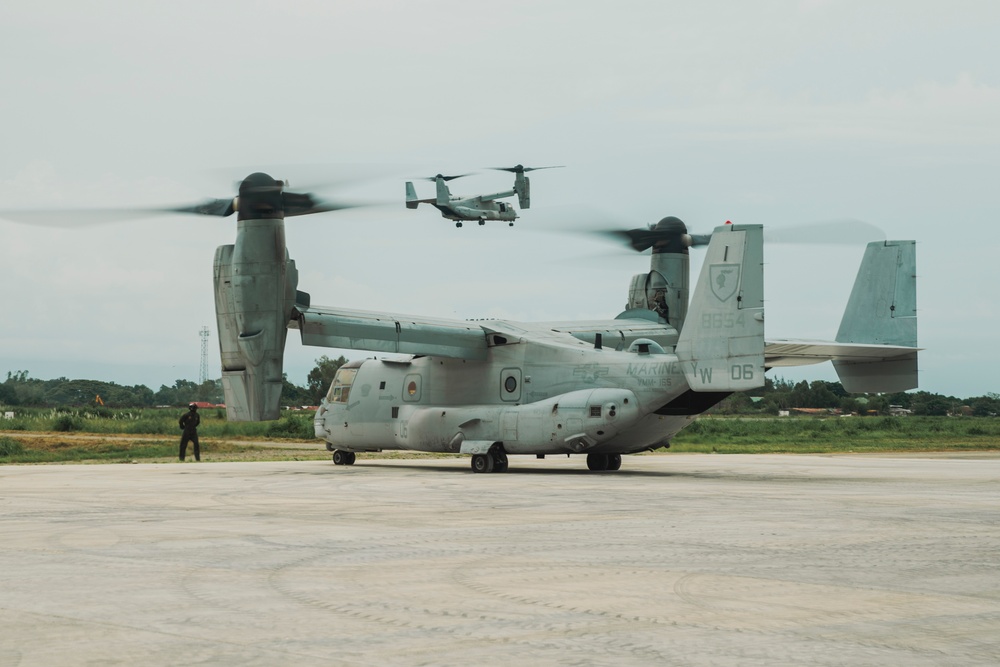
{"type": "Point", "coordinates": [477, 207]}
{"type": "Point", "coordinates": [495, 388]}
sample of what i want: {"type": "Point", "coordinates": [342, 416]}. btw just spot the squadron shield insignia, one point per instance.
{"type": "Point", "coordinates": [725, 280]}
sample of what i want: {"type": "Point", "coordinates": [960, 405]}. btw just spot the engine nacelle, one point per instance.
{"type": "Point", "coordinates": [255, 293]}
{"type": "Point", "coordinates": [664, 290]}
{"type": "Point", "coordinates": [522, 186]}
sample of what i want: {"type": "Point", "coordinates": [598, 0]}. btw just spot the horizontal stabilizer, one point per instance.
{"type": "Point", "coordinates": [792, 352]}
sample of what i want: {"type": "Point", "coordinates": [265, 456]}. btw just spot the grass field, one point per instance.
{"type": "Point", "coordinates": [742, 435]}
{"type": "Point", "coordinates": [47, 436]}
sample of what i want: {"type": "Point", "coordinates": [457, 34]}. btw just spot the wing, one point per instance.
{"type": "Point", "coordinates": [390, 332]}
{"type": "Point", "coordinates": [459, 339]}
{"type": "Point", "coordinates": [495, 195]}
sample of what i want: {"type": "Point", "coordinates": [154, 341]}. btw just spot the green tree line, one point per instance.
{"type": "Point", "coordinates": [20, 389]}
{"type": "Point", "coordinates": [778, 394]}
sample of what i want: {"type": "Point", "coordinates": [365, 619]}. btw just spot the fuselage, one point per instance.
{"type": "Point", "coordinates": [532, 397]}
{"type": "Point", "coordinates": [475, 208]}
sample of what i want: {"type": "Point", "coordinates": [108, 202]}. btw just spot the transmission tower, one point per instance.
{"type": "Point", "coordinates": [203, 375]}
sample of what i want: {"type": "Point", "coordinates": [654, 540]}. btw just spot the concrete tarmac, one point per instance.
{"type": "Point", "coordinates": [676, 559]}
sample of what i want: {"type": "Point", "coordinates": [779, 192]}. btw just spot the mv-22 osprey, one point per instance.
{"type": "Point", "coordinates": [477, 207]}
{"type": "Point", "coordinates": [491, 389]}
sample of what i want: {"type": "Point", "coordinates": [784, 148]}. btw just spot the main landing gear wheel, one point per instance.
{"type": "Point", "coordinates": [482, 222]}
{"type": "Point", "coordinates": [342, 458]}
{"type": "Point", "coordinates": [614, 461]}
{"type": "Point", "coordinates": [458, 224]}
{"type": "Point", "coordinates": [482, 463]}
{"type": "Point", "coordinates": [495, 460]}
{"type": "Point", "coordinates": [598, 462]}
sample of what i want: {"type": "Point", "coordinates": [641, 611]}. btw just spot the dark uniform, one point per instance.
{"type": "Point", "coordinates": [189, 424]}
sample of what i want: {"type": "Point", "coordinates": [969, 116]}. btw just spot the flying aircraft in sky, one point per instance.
{"type": "Point", "coordinates": [477, 207]}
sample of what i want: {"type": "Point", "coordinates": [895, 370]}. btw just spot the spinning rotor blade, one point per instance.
{"type": "Point", "coordinates": [445, 178]}
{"type": "Point", "coordinates": [219, 207]}
{"type": "Point", "coordinates": [846, 232]}
{"type": "Point", "coordinates": [260, 195]}
{"type": "Point", "coordinates": [98, 216]}
{"type": "Point", "coordinates": [294, 204]}
{"type": "Point", "coordinates": [306, 204]}
{"type": "Point", "coordinates": [521, 169]}
{"type": "Point", "coordinates": [74, 218]}
{"type": "Point", "coordinates": [641, 240]}
{"type": "Point", "coordinates": [637, 239]}
{"type": "Point", "coordinates": [668, 235]}
{"type": "Point", "coordinates": [313, 177]}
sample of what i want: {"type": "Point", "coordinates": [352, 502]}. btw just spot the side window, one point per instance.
{"type": "Point", "coordinates": [340, 388]}
{"type": "Point", "coordinates": [510, 384]}
{"type": "Point", "coordinates": [411, 388]}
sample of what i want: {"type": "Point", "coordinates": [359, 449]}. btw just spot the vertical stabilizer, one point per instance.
{"type": "Point", "coordinates": [443, 193]}
{"type": "Point", "coordinates": [882, 310]}
{"type": "Point", "coordinates": [411, 196]}
{"type": "Point", "coordinates": [721, 346]}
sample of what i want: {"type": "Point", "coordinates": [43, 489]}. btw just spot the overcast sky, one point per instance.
{"type": "Point", "coordinates": [780, 113]}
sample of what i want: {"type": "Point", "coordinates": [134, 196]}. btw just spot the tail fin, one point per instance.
{"type": "Point", "coordinates": [443, 193]}
{"type": "Point", "coordinates": [882, 310]}
{"type": "Point", "coordinates": [411, 196]}
{"type": "Point", "coordinates": [721, 345]}
{"type": "Point", "coordinates": [522, 186]}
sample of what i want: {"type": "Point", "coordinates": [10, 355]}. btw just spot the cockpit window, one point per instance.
{"type": "Point", "coordinates": [340, 389]}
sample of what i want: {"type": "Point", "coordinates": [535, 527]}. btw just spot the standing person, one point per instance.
{"type": "Point", "coordinates": [189, 424]}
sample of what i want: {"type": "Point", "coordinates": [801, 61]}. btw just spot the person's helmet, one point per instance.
{"type": "Point", "coordinates": [192, 406]}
